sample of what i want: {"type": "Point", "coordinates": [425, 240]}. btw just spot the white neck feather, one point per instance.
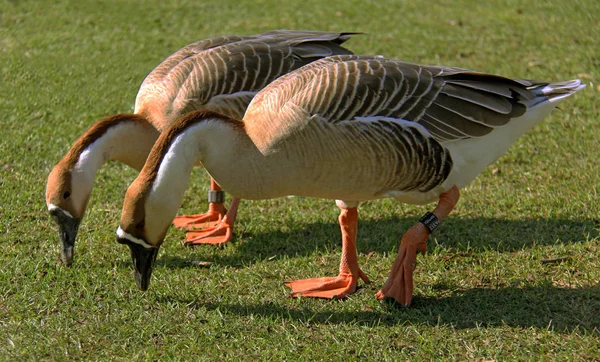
{"type": "Point", "coordinates": [211, 142]}
{"type": "Point", "coordinates": [128, 142]}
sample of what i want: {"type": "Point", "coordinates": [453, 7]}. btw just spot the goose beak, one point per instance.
{"type": "Point", "coordinates": [67, 227]}
{"type": "Point", "coordinates": [143, 261]}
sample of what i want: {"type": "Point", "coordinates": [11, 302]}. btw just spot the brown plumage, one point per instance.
{"type": "Point", "coordinates": [222, 74]}
{"type": "Point", "coordinates": [452, 103]}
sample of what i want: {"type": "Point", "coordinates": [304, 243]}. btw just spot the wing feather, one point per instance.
{"type": "Point", "coordinates": [191, 77]}
{"type": "Point", "coordinates": [449, 103]}
{"type": "Point", "coordinates": [491, 101]}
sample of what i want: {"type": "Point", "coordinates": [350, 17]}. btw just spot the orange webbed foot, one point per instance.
{"type": "Point", "coordinates": [399, 285]}
{"type": "Point", "coordinates": [216, 235]}
{"type": "Point", "coordinates": [199, 221]}
{"type": "Point", "coordinates": [328, 287]}
{"type": "Point", "coordinates": [214, 215]}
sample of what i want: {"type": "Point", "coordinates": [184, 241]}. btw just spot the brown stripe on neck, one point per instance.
{"type": "Point", "coordinates": [96, 131]}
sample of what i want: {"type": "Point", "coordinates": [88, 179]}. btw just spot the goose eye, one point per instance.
{"type": "Point", "coordinates": [66, 195]}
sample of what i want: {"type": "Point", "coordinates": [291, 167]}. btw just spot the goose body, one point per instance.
{"type": "Point", "coordinates": [349, 128]}
{"type": "Point", "coordinates": [294, 142]}
{"type": "Point", "coordinates": [219, 74]}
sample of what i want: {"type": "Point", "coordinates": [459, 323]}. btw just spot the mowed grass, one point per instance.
{"type": "Point", "coordinates": [512, 274]}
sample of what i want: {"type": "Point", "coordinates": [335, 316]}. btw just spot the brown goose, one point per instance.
{"type": "Point", "coordinates": [220, 74]}
{"type": "Point", "coordinates": [349, 128]}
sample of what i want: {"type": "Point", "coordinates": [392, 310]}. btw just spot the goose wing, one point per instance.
{"type": "Point", "coordinates": [224, 73]}
{"type": "Point", "coordinates": [449, 103]}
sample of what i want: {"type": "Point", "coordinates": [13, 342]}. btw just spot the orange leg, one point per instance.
{"type": "Point", "coordinates": [345, 283]}
{"type": "Point", "coordinates": [216, 212]}
{"type": "Point", "coordinates": [221, 233]}
{"type": "Point", "coordinates": [399, 285]}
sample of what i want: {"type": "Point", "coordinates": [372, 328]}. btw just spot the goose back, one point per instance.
{"type": "Point", "coordinates": [451, 103]}
{"type": "Point", "coordinates": [223, 74]}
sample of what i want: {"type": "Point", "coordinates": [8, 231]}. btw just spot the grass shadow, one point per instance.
{"type": "Point", "coordinates": [546, 307]}
{"type": "Point", "coordinates": [383, 236]}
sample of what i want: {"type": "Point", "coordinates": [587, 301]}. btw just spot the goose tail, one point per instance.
{"type": "Point", "coordinates": [554, 92]}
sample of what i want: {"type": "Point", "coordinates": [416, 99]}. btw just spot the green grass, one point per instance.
{"type": "Point", "coordinates": [482, 291]}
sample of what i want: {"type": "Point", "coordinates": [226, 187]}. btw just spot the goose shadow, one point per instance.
{"type": "Point", "coordinates": [543, 307]}
{"type": "Point", "coordinates": [473, 235]}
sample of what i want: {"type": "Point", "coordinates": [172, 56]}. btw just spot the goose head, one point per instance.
{"type": "Point", "coordinates": [140, 234]}
{"type": "Point", "coordinates": [124, 137]}
{"type": "Point", "coordinates": [67, 194]}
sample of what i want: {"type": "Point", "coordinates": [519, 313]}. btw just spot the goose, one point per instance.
{"type": "Point", "coordinates": [347, 128]}
{"type": "Point", "coordinates": [220, 74]}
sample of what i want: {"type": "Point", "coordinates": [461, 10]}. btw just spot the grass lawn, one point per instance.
{"type": "Point", "coordinates": [487, 289]}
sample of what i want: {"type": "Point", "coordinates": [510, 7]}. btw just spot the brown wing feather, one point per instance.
{"type": "Point", "coordinates": [451, 103]}
{"type": "Point", "coordinates": [189, 79]}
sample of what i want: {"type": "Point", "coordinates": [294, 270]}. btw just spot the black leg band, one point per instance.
{"type": "Point", "coordinates": [216, 196]}
{"type": "Point", "coordinates": [430, 221]}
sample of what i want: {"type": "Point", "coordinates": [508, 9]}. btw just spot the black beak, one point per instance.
{"type": "Point", "coordinates": [67, 227]}
{"type": "Point", "coordinates": [143, 261]}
